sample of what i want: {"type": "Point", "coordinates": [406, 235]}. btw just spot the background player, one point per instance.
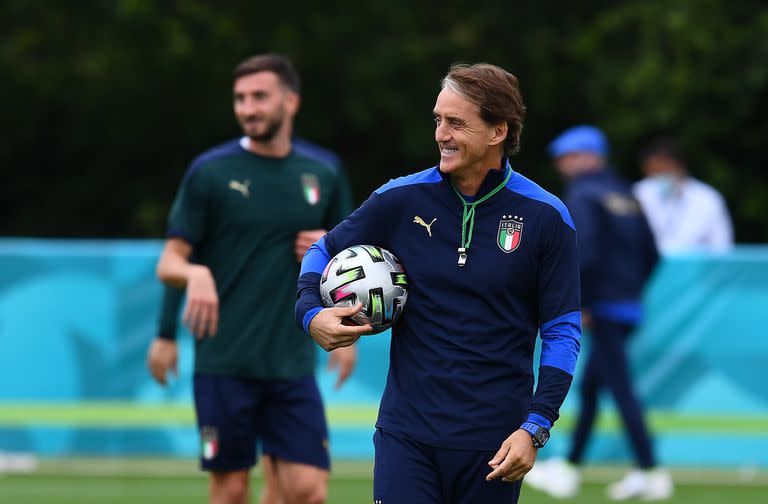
{"type": "Point", "coordinates": [617, 255]}
{"type": "Point", "coordinates": [242, 211]}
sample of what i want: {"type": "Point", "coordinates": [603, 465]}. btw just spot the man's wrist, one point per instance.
{"type": "Point", "coordinates": [309, 317]}
{"type": "Point", "coordinates": [539, 420]}
{"type": "Point", "coordinates": [169, 335]}
{"type": "Point", "coordinates": [196, 270]}
{"type": "Point", "coordinates": [539, 434]}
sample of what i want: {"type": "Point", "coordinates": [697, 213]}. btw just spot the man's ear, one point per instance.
{"type": "Point", "coordinates": [499, 133]}
{"type": "Point", "coordinates": [292, 102]}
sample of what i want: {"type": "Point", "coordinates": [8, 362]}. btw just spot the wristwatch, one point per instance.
{"type": "Point", "coordinates": [539, 434]}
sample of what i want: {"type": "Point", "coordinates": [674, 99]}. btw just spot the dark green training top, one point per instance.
{"type": "Point", "coordinates": [241, 213]}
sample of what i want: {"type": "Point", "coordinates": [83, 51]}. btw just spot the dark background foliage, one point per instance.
{"type": "Point", "coordinates": [106, 102]}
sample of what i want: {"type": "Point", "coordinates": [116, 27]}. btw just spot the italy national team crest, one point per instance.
{"type": "Point", "coordinates": [510, 233]}
{"type": "Point", "coordinates": [209, 442]}
{"type": "Point", "coordinates": [311, 187]}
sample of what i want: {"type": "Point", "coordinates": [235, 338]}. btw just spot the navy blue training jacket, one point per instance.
{"type": "Point", "coordinates": [461, 356]}
{"type": "Point", "coordinates": [616, 248]}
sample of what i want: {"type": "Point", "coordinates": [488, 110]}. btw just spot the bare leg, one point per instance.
{"type": "Point", "coordinates": [230, 487]}
{"type": "Point", "coordinates": [270, 493]}
{"type": "Point", "coordinates": [301, 483]}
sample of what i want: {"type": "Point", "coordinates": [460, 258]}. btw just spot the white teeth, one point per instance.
{"type": "Point", "coordinates": [445, 150]}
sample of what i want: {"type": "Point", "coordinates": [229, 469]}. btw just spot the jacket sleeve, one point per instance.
{"type": "Point", "coordinates": [169, 314]}
{"type": "Point", "coordinates": [363, 227]}
{"type": "Point", "coordinates": [586, 215]}
{"type": "Point", "coordinates": [560, 321]}
{"type": "Point", "coordinates": [190, 208]}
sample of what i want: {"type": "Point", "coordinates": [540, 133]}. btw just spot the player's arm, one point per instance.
{"type": "Point", "coordinates": [560, 333]}
{"type": "Point", "coordinates": [560, 327]}
{"type": "Point", "coordinates": [187, 228]}
{"type": "Point", "coordinates": [326, 325]}
{"type": "Point", "coordinates": [201, 314]}
{"type": "Point", "coordinates": [162, 356]}
{"type": "Point", "coordinates": [168, 324]}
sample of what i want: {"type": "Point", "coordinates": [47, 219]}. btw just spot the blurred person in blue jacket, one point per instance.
{"type": "Point", "coordinates": [685, 214]}
{"type": "Point", "coordinates": [617, 256]}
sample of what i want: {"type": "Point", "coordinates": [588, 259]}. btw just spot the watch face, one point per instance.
{"type": "Point", "coordinates": [539, 434]}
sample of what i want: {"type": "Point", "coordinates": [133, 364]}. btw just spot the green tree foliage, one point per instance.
{"type": "Point", "coordinates": [107, 102]}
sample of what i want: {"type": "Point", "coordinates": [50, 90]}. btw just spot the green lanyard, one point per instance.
{"type": "Point", "coordinates": [468, 217]}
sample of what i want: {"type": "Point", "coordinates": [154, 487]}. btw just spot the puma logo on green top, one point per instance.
{"type": "Point", "coordinates": [241, 187]}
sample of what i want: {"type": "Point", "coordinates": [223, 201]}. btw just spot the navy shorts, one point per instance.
{"type": "Point", "coordinates": [407, 472]}
{"type": "Point", "coordinates": [235, 414]}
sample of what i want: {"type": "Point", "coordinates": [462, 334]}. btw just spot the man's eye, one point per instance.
{"type": "Point", "coordinates": [436, 119]}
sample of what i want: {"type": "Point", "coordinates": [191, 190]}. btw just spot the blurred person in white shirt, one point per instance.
{"type": "Point", "coordinates": [685, 214]}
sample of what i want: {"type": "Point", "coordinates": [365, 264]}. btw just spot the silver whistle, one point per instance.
{"type": "Point", "coordinates": [462, 256]}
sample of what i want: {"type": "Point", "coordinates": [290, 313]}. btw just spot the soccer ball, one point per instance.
{"type": "Point", "coordinates": [369, 275]}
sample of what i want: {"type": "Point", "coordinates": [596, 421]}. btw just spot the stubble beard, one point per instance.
{"type": "Point", "coordinates": [273, 126]}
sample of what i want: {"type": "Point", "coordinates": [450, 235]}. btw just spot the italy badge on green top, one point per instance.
{"type": "Point", "coordinates": [311, 188]}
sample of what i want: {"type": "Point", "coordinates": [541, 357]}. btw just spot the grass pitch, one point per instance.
{"type": "Point", "coordinates": [154, 481]}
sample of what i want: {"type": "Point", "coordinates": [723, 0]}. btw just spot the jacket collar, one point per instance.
{"type": "Point", "coordinates": [493, 178]}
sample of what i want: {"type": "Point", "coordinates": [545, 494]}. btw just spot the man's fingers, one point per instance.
{"type": "Point", "coordinates": [500, 463]}
{"type": "Point", "coordinates": [175, 364]}
{"type": "Point", "coordinates": [515, 474]}
{"type": "Point", "coordinates": [500, 455]}
{"type": "Point", "coordinates": [192, 316]}
{"type": "Point", "coordinates": [185, 317]}
{"type": "Point", "coordinates": [213, 320]}
{"type": "Point", "coordinates": [343, 375]}
{"type": "Point", "coordinates": [330, 332]}
{"type": "Point", "coordinates": [347, 311]}
{"type": "Point", "coordinates": [157, 374]}
{"type": "Point", "coordinates": [300, 248]}
{"type": "Point", "coordinates": [357, 330]}
{"type": "Point", "coordinates": [348, 334]}
{"type": "Point", "coordinates": [202, 318]}
{"type": "Point", "coordinates": [198, 321]}
{"type": "Point", "coordinates": [157, 371]}
{"type": "Point", "coordinates": [345, 369]}
{"type": "Point", "coordinates": [500, 470]}
{"type": "Point", "coordinates": [162, 358]}
{"type": "Point", "coordinates": [304, 240]}
{"type": "Point", "coordinates": [205, 317]}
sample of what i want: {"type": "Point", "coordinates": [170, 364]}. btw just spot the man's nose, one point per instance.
{"type": "Point", "coordinates": [249, 107]}
{"type": "Point", "coordinates": [441, 133]}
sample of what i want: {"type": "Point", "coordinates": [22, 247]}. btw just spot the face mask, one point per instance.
{"type": "Point", "coordinates": [664, 183]}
